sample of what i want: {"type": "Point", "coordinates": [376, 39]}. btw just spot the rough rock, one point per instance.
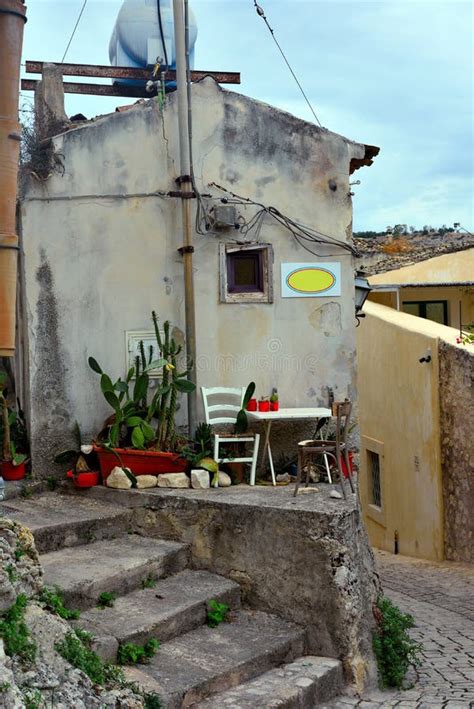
{"type": "Point", "coordinates": [335, 495]}
{"type": "Point", "coordinates": [200, 479]}
{"type": "Point", "coordinates": [283, 478]}
{"type": "Point", "coordinates": [173, 480]}
{"type": "Point", "coordinates": [224, 479]}
{"type": "Point", "coordinates": [144, 481]}
{"type": "Point", "coordinates": [49, 680]}
{"type": "Point", "coordinates": [118, 479]}
{"type": "Point", "coordinates": [20, 570]}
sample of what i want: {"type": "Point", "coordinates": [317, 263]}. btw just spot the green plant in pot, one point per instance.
{"type": "Point", "coordinates": [143, 420]}
{"type": "Point", "coordinates": [83, 461]}
{"type": "Point", "coordinates": [199, 452]}
{"type": "Point", "coordinates": [12, 436]}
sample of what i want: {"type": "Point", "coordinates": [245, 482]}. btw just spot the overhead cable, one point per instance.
{"type": "Point", "coordinates": [261, 13]}
{"type": "Point", "coordinates": [74, 31]}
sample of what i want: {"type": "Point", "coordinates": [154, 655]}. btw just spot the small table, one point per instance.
{"type": "Point", "coordinates": [283, 415]}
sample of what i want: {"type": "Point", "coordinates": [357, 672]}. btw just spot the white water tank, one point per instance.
{"type": "Point", "coordinates": [136, 38]}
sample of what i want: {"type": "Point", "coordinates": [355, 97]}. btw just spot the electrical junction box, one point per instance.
{"type": "Point", "coordinates": [132, 348]}
{"type": "Point", "coordinates": [225, 216]}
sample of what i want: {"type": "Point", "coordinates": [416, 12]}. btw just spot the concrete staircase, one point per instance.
{"type": "Point", "coordinates": [255, 660]}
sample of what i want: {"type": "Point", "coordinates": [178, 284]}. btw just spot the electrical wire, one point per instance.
{"type": "Point", "coordinates": [74, 30]}
{"type": "Point", "coordinates": [261, 13]}
{"type": "Point", "coordinates": [160, 23]}
{"type": "Point", "coordinates": [305, 236]}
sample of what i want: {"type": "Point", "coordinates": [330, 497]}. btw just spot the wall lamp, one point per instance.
{"type": "Point", "coordinates": [362, 290]}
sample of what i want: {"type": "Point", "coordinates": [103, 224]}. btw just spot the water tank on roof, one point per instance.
{"type": "Point", "coordinates": [137, 40]}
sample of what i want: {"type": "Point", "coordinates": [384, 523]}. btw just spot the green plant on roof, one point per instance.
{"type": "Point", "coordinates": [216, 613]}
{"type": "Point", "coordinates": [394, 649]}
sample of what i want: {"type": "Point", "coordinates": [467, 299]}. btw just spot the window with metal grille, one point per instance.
{"type": "Point", "coordinates": [374, 467]}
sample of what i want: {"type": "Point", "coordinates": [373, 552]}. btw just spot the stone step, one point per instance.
{"type": "Point", "coordinates": [174, 606]}
{"type": "Point", "coordinates": [117, 565]}
{"type": "Point", "coordinates": [202, 662]}
{"type": "Point", "coordinates": [58, 521]}
{"type": "Point", "coordinates": [302, 684]}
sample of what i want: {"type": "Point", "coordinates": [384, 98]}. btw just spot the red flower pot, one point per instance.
{"type": "Point", "coordinates": [351, 464]}
{"type": "Point", "coordinates": [140, 462]}
{"type": "Point", "coordinates": [252, 405]}
{"type": "Point", "coordinates": [12, 472]}
{"type": "Point", "coordinates": [274, 405]}
{"type": "Point", "coordinates": [85, 479]}
{"type": "Point", "coordinates": [264, 406]}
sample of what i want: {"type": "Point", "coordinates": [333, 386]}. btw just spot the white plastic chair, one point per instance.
{"type": "Point", "coordinates": [218, 410]}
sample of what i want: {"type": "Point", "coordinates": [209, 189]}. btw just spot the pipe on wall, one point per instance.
{"type": "Point", "coordinates": [12, 20]}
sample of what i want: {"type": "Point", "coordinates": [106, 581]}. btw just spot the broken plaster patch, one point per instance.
{"type": "Point", "coordinates": [327, 318]}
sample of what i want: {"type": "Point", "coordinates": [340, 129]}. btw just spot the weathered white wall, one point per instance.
{"type": "Point", "coordinates": [96, 264]}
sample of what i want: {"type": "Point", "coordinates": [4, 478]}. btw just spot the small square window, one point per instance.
{"type": "Point", "coordinates": [246, 273]}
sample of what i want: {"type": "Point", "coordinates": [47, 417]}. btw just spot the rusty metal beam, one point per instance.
{"type": "Point", "coordinates": [123, 72]}
{"type": "Point", "coordinates": [95, 89]}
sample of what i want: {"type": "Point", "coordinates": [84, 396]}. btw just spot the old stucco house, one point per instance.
{"type": "Point", "coordinates": [101, 241]}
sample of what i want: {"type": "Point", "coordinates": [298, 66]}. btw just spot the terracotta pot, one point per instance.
{"type": "Point", "coordinates": [264, 406]}
{"type": "Point", "coordinates": [12, 472]}
{"type": "Point", "coordinates": [140, 462]}
{"type": "Point", "coordinates": [252, 405]}
{"type": "Point", "coordinates": [236, 471]}
{"type": "Point", "coordinates": [90, 478]}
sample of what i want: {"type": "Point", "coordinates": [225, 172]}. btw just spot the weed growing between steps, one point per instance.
{"type": "Point", "coordinates": [216, 613]}
{"type": "Point", "coordinates": [149, 582]}
{"type": "Point", "coordinates": [33, 699]}
{"type": "Point", "coordinates": [14, 632]}
{"type": "Point", "coordinates": [107, 599]}
{"type": "Point", "coordinates": [394, 649]}
{"type": "Point", "coordinates": [131, 654]}
{"type": "Point", "coordinates": [52, 600]}
{"type": "Point", "coordinates": [76, 649]}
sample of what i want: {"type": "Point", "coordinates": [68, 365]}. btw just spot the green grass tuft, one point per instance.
{"type": "Point", "coordinates": [394, 649]}
{"type": "Point", "coordinates": [52, 600]}
{"type": "Point", "coordinates": [15, 634]}
{"type": "Point", "coordinates": [131, 654]}
{"type": "Point", "coordinates": [216, 613]}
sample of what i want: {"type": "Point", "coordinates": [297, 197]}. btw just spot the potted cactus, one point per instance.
{"type": "Point", "coordinates": [141, 430]}
{"type": "Point", "coordinates": [12, 461]}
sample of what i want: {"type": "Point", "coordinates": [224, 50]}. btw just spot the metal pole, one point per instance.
{"type": "Point", "coordinates": [186, 188]}
{"type": "Point", "coordinates": [12, 20]}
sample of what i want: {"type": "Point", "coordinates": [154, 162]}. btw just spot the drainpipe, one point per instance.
{"type": "Point", "coordinates": [12, 20]}
{"type": "Point", "coordinates": [185, 183]}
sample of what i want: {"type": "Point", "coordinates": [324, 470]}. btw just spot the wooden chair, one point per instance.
{"type": "Point", "coordinates": [341, 410]}
{"type": "Point", "coordinates": [221, 406]}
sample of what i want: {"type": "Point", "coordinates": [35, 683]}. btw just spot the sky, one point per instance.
{"type": "Point", "coordinates": [393, 73]}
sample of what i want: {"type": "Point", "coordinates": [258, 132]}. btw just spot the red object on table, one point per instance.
{"type": "Point", "coordinates": [264, 406]}
{"type": "Point", "coordinates": [252, 405]}
{"type": "Point", "coordinates": [274, 405]}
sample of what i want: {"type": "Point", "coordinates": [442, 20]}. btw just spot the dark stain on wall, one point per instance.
{"type": "Point", "coordinates": [50, 429]}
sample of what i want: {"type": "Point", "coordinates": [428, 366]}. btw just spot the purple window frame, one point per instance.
{"type": "Point", "coordinates": [232, 286]}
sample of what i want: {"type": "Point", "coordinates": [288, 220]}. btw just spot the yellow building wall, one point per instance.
{"type": "Point", "coordinates": [452, 294]}
{"type": "Point", "coordinates": [399, 420]}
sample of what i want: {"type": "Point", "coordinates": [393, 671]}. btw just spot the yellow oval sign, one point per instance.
{"type": "Point", "coordinates": [310, 280]}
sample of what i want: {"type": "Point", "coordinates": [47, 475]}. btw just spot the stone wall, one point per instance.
{"type": "Point", "coordinates": [306, 559]}
{"type": "Point", "coordinates": [456, 385]}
